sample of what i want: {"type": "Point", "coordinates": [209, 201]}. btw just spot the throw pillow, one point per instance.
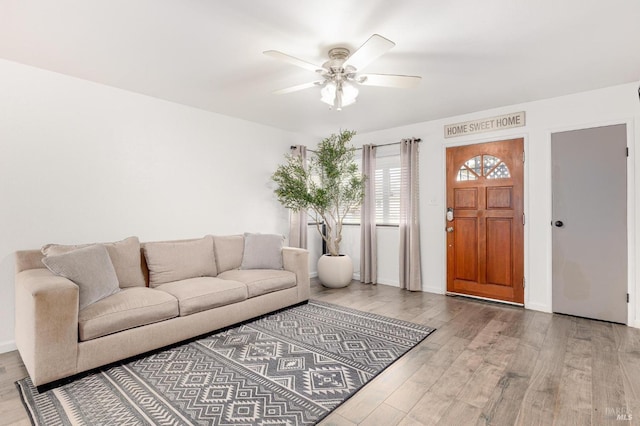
{"type": "Point", "coordinates": [178, 260]}
{"type": "Point", "coordinates": [262, 251]}
{"type": "Point", "coordinates": [125, 256]}
{"type": "Point", "coordinates": [90, 268]}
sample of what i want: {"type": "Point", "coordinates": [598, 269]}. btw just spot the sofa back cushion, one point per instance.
{"type": "Point", "coordinates": [125, 257]}
{"type": "Point", "coordinates": [229, 250]}
{"type": "Point", "coordinates": [170, 261]}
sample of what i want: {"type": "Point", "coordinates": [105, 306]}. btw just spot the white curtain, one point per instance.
{"type": "Point", "coordinates": [410, 274]}
{"type": "Point", "coordinates": [298, 220]}
{"type": "Point", "coordinates": [368, 253]}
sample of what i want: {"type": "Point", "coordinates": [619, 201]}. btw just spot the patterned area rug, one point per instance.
{"type": "Point", "coordinates": [288, 368]}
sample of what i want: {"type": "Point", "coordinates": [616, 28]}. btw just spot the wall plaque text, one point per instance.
{"type": "Point", "coordinates": [507, 121]}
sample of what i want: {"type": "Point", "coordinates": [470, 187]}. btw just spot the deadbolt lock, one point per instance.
{"type": "Point", "coordinates": [450, 229]}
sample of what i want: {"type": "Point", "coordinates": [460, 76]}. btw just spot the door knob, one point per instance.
{"type": "Point", "coordinates": [558, 224]}
{"type": "Point", "coordinates": [450, 229]}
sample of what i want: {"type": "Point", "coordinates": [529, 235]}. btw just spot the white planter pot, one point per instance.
{"type": "Point", "coordinates": [335, 271]}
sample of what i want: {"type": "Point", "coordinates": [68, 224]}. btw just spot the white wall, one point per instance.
{"type": "Point", "coordinates": [82, 162]}
{"type": "Point", "coordinates": [612, 105]}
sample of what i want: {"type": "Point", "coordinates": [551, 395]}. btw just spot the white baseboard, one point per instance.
{"type": "Point", "coordinates": [392, 283]}
{"type": "Point", "coordinates": [433, 289]}
{"type": "Point", "coordinates": [537, 307]}
{"type": "Point", "coordinates": [384, 281]}
{"type": "Point", "coordinates": [7, 346]}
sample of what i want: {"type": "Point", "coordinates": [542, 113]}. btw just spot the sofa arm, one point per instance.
{"type": "Point", "coordinates": [296, 260]}
{"type": "Point", "coordinates": [46, 324]}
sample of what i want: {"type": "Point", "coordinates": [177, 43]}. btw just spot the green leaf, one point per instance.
{"type": "Point", "coordinates": [330, 186]}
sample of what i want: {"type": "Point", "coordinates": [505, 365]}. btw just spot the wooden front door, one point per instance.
{"type": "Point", "coordinates": [485, 220]}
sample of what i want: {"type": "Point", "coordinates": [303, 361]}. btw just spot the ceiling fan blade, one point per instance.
{"type": "Point", "coordinates": [390, 80]}
{"type": "Point", "coordinates": [295, 61]}
{"type": "Point", "coordinates": [372, 49]}
{"type": "Point", "coordinates": [297, 88]}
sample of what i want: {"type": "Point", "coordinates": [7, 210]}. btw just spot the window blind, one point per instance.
{"type": "Point", "coordinates": [387, 180]}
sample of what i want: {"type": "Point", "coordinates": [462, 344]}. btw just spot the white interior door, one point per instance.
{"type": "Point", "coordinates": [589, 222]}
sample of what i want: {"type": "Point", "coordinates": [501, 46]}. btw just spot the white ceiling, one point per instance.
{"type": "Point", "coordinates": [472, 55]}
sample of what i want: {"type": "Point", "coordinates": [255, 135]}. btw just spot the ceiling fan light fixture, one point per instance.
{"type": "Point", "coordinates": [349, 93]}
{"type": "Point", "coordinates": [338, 95]}
{"type": "Point", "coordinates": [328, 93]}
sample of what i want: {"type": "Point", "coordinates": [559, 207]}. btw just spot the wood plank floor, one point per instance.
{"type": "Point", "coordinates": [487, 364]}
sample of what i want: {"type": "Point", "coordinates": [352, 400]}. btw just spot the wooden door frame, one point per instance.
{"type": "Point", "coordinates": [633, 281]}
{"type": "Point", "coordinates": [525, 173]}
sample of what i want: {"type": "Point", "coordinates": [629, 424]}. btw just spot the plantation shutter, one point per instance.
{"type": "Point", "coordinates": [387, 179]}
{"type": "Point", "coordinates": [388, 190]}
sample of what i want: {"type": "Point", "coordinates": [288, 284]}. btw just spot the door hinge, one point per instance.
{"type": "Point", "coordinates": [627, 151]}
{"type": "Point", "coordinates": [523, 219]}
{"type": "Point", "coordinates": [523, 156]}
{"type": "Point", "coordinates": [627, 297]}
{"type": "Point", "coordinates": [524, 282]}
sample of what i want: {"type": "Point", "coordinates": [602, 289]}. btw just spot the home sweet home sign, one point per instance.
{"type": "Point", "coordinates": [500, 122]}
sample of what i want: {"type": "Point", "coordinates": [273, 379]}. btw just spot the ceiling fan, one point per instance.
{"type": "Point", "coordinates": [341, 73]}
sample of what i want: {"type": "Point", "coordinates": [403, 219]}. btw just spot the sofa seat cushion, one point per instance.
{"type": "Point", "coordinates": [202, 293]}
{"type": "Point", "coordinates": [261, 281]}
{"type": "Point", "coordinates": [129, 308]}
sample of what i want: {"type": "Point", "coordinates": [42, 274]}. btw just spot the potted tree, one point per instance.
{"type": "Point", "coordinates": [329, 188]}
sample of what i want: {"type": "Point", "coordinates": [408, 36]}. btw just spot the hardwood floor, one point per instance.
{"type": "Point", "coordinates": [487, 364]}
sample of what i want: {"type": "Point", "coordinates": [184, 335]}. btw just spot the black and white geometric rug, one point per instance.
{"type": "Point", "coordinates": [292, 367]}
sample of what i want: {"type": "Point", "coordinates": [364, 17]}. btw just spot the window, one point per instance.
{"type": "Point", "coordinates": [387, 181]}
{"type": "Point", "coordinates": [483, 165]}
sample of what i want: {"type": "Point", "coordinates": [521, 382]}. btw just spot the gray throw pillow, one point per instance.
{"type": "Point", "coordinates": [125, 256]}
{"type": "Point", "coordinates": [262, 251]}
{"type": "Point", "coordinates": [90, 268]}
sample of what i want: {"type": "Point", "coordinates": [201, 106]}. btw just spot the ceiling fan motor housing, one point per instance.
{"type": "Point", "coordinates": [335, 65]}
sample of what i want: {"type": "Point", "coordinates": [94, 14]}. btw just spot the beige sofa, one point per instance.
{"type": "Point", "coordinates": [56, 339]}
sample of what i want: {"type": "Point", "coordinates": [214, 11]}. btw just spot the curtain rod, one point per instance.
{"type": "Point", "coordinates": [395, 143]}
{"type": "Point", "coordinates": [357, 149]}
